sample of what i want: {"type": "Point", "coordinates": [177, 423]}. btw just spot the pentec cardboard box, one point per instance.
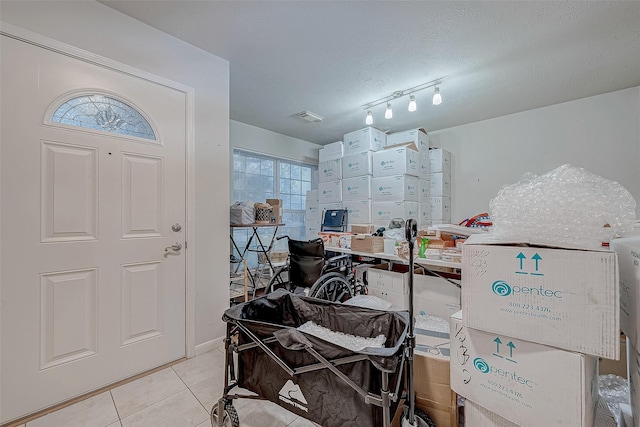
{"type": "Point", "coordinates": [366, 139]}
{"type": "Point", "coordinates": [383, 212]}
{"type": "Point", "coordinates": [330, 192]}
{"type": "Point", "coordinates": [357, 164]}
{"type": "Point", "coordinates": [359, 211]}
{"type": "Point", "coordinates": [477, 416]}
{"type": "Point", "coordinates": [559, 297]}
{"type": "Point", "coordinates": [356, 188]}
{"type": "Point", "coordinates": [419, 138]}
{"type": "Point", "coordinates": [331, 170]}
{"type": "Point", "coordinates": [396, 160]}
{"type": "Point", "coordinates": [397, 188]}
{"type": "Point", "coordinates": [529, 384]}
{"type": "Point", "coordinates": [628, 250]}
{"type": "Point", "coordinates": [331, 151]}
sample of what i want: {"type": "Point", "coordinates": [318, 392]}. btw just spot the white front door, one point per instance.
{"type": "Point", "coordinates": [89, 293]}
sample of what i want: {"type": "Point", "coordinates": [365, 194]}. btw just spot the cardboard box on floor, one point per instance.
{"type": "Point", "coordinates": [526, 383]}
{"type": "Point", "coordinates": [527, 291]}
{"type": "Point", "coordinates": [477, 416]}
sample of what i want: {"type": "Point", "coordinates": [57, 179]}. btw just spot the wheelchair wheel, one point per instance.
{"type": "Point", "coordinates": [332, 287]}
{"type": "Point", "coordinates": [279, 280]}
{"type": "Point", "coordinates": [230, 417]}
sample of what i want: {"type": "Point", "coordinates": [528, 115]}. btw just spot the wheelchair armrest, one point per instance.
{"type": "Point", "coordinates": [336, 259]}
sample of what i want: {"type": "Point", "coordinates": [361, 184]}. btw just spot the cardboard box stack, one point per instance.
{"type": "Point", "coordinates": [440, 185]}
{"type": "Point", "coordinates": [534, 321]}
{"type": "Point", "coordinates": [434, 174]}
{"type": "Point", "coordinates": [357, 172]}
{"type": "Point", "coordinates": [431, 376]}
{"type": "Point", "coordinates": [312, 214]}
{"type": "Point", "coordinates": [628, 250]}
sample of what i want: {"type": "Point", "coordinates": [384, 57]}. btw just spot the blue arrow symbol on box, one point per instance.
{"type": "Point", "coordinates": [511, 347]}
{"type": "Point", "coordinates": [521, 256]}
{"type": "Point", "coordinates": [537, 258]}
{"type": "Point", "coordinates": [498, 342]}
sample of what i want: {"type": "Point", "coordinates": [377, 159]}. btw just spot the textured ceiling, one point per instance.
{"type": "Point", "coordinates": [331, 57]}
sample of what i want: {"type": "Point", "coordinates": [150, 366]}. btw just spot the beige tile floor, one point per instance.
{"type": "Point", "coordinates": [179, 396]}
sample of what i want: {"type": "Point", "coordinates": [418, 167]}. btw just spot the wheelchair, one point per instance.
{"type": "Point", "coordinates": [308, 273]}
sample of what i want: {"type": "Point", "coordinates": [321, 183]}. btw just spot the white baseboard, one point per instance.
{"type": "Point", "coordinates": [209, 345]}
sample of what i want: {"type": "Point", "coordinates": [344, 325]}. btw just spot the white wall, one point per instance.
{"type": "Point", "coordinates": [263, 141]}
{"type": "Point", "coordinates": [600, 134]}
{"type": "Point", "coordinates": [96, 28]}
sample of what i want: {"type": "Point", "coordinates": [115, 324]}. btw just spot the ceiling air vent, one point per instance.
{"type": "Point", "coordinates": [310, 117]}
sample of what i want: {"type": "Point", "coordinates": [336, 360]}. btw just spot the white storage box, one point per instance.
{"type": "Point", "coordinates": [383, 212]}
{"type": "Point", "coordinates": [435, 296]}
{"type": "Point", "coordinates": [330, 192]}
{"type": "Point", "coordinates": [439, 160]}
{"type": "Point", "coordinates": [394, 188]}
{"type": "Point", "coordinates": [529, 384]}
{"type": "Point", "coordinates": [390, 285]}
{"type": "Point", "coordinates": [331, 151]}
{"type": "Point", "coordinates": [396, 160]}
{"type": "Point", "coordinates": [424, 170]}
{"type": "Point", "coordinates": [424, 214]}
{"type": "Point", "coordinates": [358, 211]}
{"type": "Point", "coordinates": [312, 231]}
{"type": "Point", "coordinates": [358, 164]}
{"type": "Point", "coordinates": [418, 136]}
{"type": "Point", "coordinates": [312, 196]}
{"type": "Point", "coordinates": [357, 188]}
{"type": "Point", "coordinates": [558, 297]}
{"type": "Point", "coordinates": [440, 184]}
{"type": "Point", "coordinates": [313, 213]}
{"type": "Point", "coordinates": [477, 416]}
{"type": "Point", "coordinates": [365, 139]}
{"type": "Point", "coordinates": [395, 280]}
{"type": "Point", "coordinates": [440, 207]}
{"type": "Point", "coordinates": [424, 191]}
{"type": "Point", "coordinates": [331, 170]}
{"type": "Point", "coordinates": [628, 250]}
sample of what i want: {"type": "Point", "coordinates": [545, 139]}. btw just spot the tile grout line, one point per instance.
{"type": "Point", "coordinates": [116, 407]}
{"type": "Point", "coordinates": [191, 391]}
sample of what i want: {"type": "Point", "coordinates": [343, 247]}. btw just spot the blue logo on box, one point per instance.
{"type": "Point", "coordinates": [501, 288]}
{"type": "Point", "coordinates": [481, 365]}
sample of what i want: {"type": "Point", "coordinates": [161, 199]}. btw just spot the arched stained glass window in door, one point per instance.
{"type": "Point", "coordinates": [104, 113]}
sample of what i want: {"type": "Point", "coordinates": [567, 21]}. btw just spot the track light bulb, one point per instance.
{"type": "Point", "coordinates": [437, 98]}
{"type": "Point", "coordinates": [412, 103]}
{"type": "Point", "coordinates": [369, 119]}
{"type": "Point", "coordinates": [389, 113]}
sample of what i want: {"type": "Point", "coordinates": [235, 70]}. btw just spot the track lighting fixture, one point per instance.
{"type": "Point", "coordinates": [437, 98]}
{"type": "Point", "coordinates": [388, 114]}
{"type": "Point", "coordinates": [412, 103]}
{"type": "Point", "coordinates": [369, 119]}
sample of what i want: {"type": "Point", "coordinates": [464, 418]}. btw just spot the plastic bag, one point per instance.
{"type": "Point", "coordinates": [567, 207]}
{"type": "Point", "coordinates": [242, 213]}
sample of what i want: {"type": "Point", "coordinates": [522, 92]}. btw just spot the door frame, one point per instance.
{"type": "Point", "coordinates": [39, 40]}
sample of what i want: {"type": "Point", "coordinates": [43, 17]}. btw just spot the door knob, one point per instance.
{"type": "Point", "coordinates": [176, 227]}
{"type": "Point", "coordinates": [175, 247]}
